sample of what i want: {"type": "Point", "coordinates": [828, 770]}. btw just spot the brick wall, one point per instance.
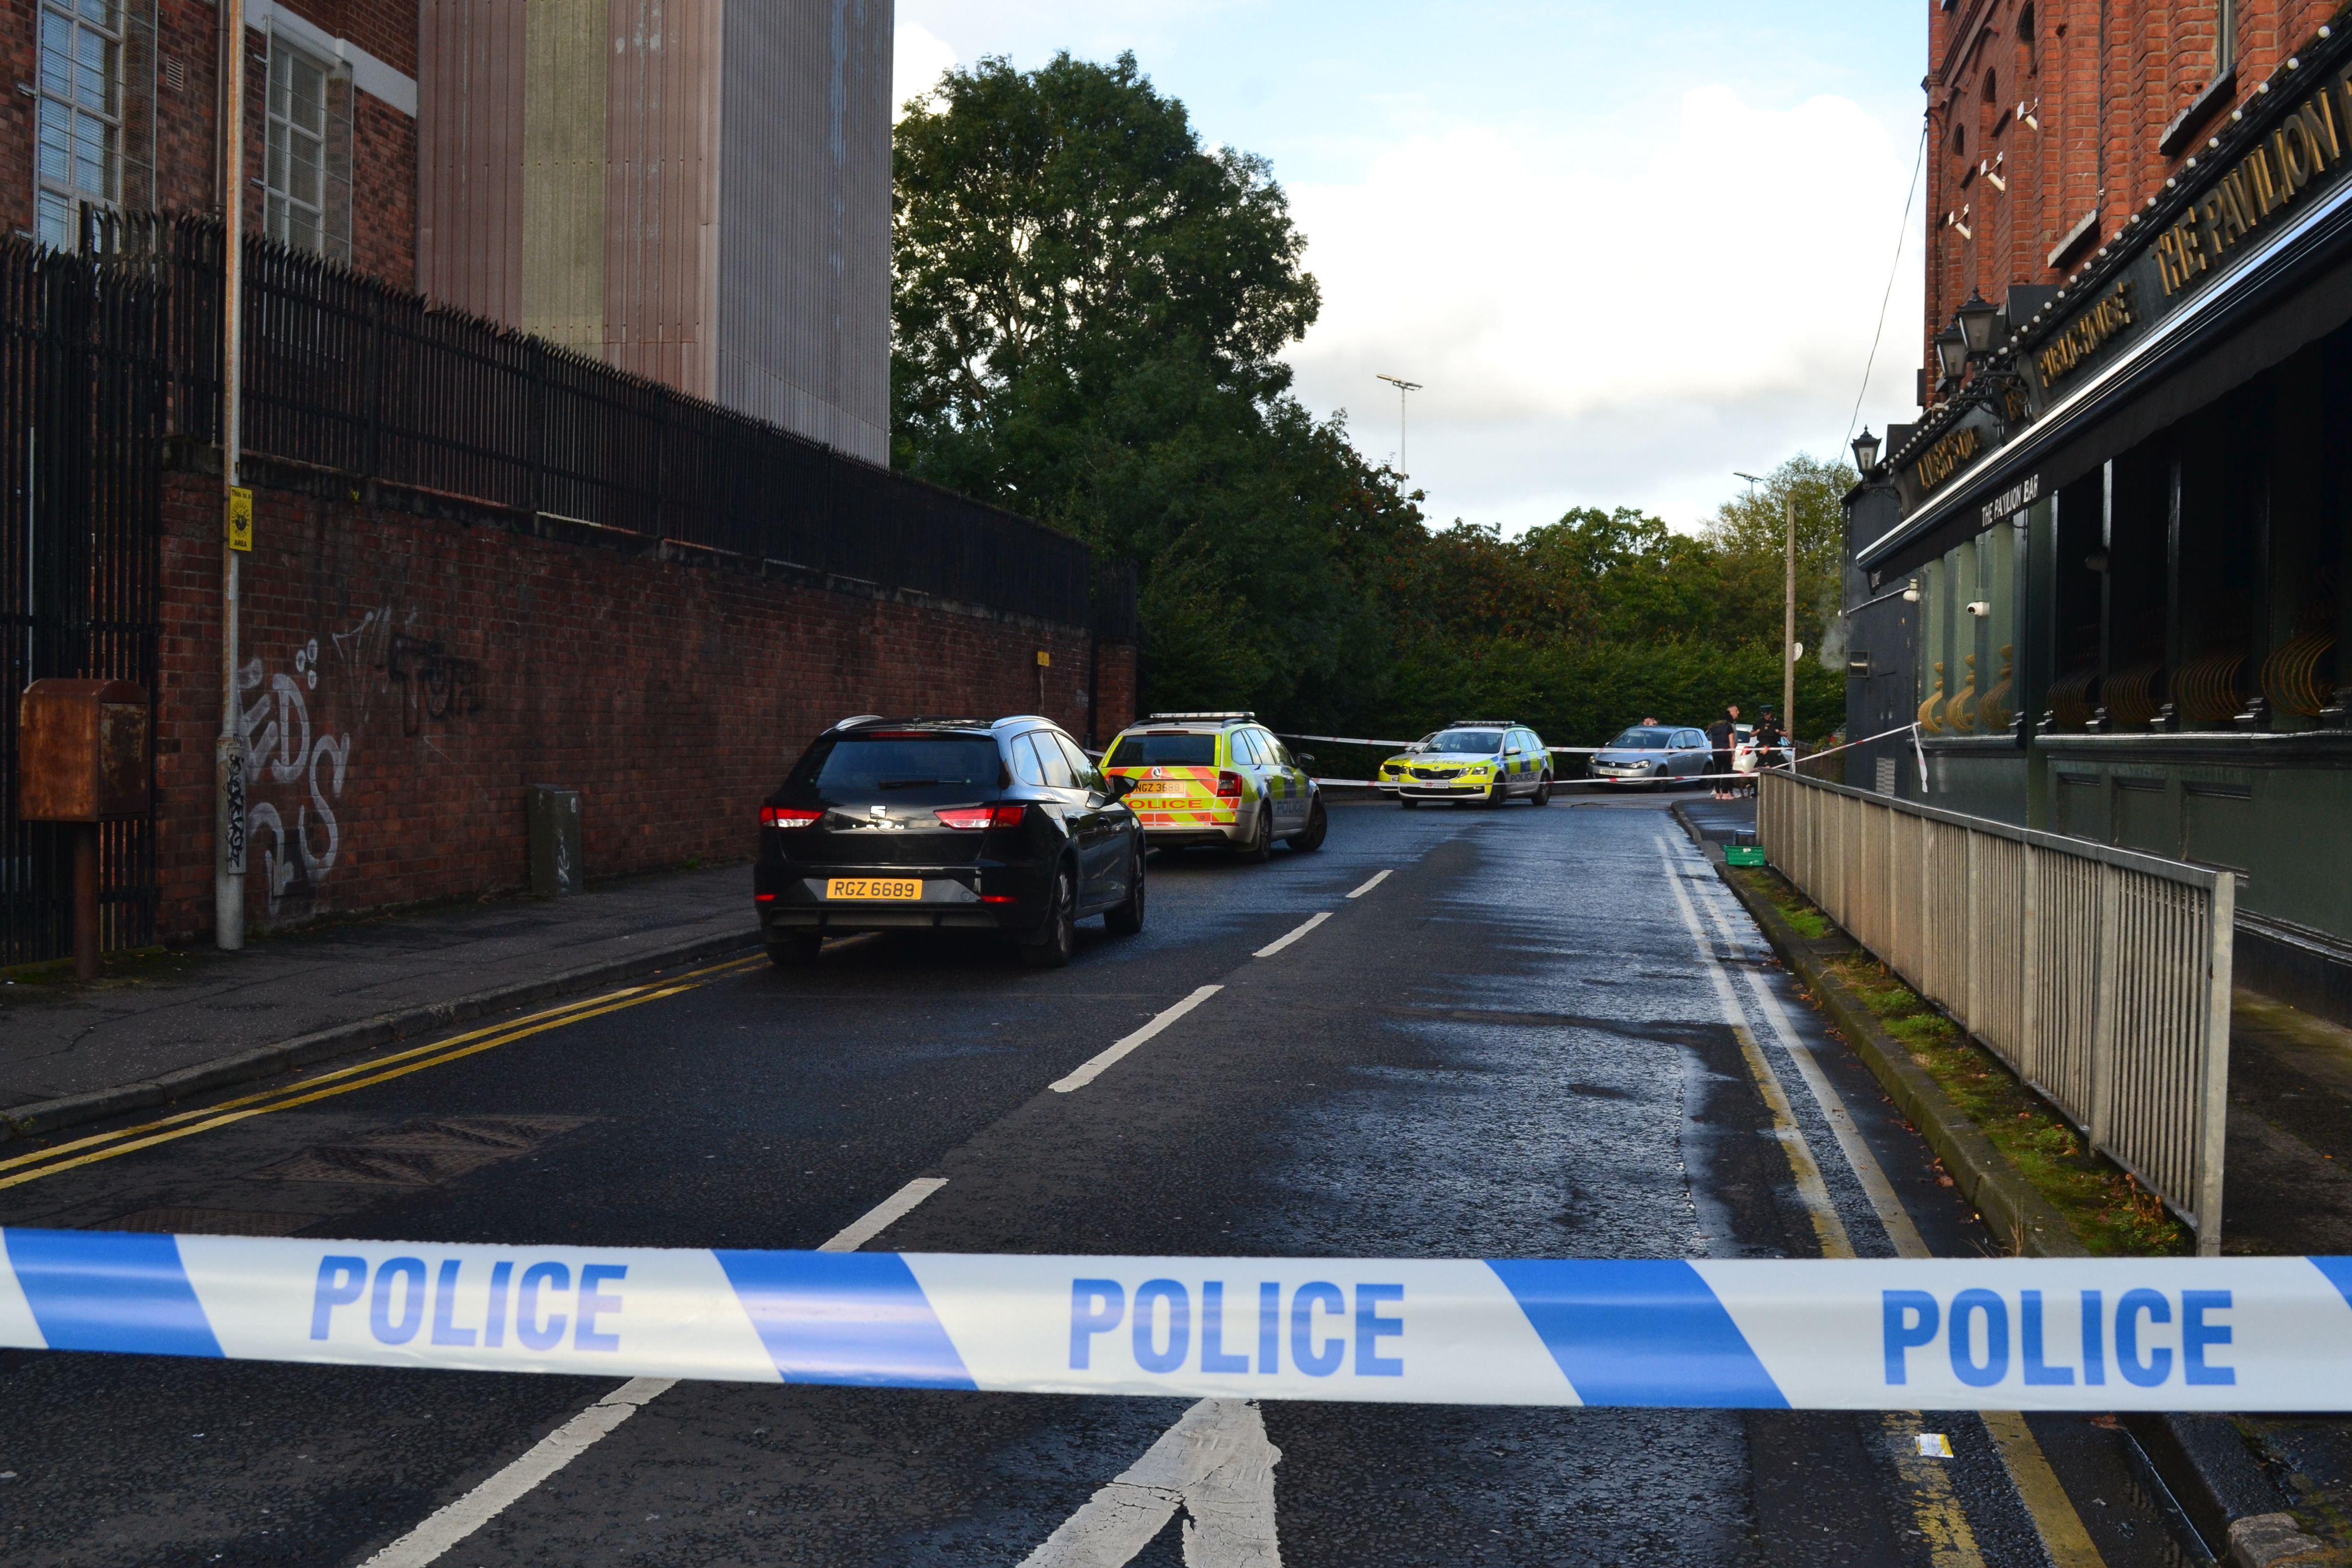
{"type": "Point", "coordinates": [2102, 80]}
{"type": "Point", "coordinates": [405, 677]}
{"type": "Point", "coordinates": [187, 47]}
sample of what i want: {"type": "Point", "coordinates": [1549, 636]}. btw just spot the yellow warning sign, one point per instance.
{"type": "Point", "coordinates": [240, 517]}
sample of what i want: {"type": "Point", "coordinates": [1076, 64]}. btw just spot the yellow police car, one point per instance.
{"type": "Point", "coordinates": [1485, 760]}
{"type": "Point", "coordinates": [1218, 779]}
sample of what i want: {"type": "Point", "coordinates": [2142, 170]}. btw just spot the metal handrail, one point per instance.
{"type": "Point", "coordinates": [2100, 976]}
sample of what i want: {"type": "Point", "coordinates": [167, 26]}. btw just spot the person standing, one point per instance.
{"type": "Point", "coordinates": [1719, 736]}
{"type": "Point", "coordinates": [1771, 738]}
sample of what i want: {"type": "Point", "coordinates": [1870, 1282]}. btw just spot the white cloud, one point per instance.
{"type": "Point", "coordinates": [1612, 316]}
{"type": "Point", "coordinates": [918, 56]}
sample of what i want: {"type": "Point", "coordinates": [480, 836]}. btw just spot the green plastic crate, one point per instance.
{"type": "Point", "coordinates": [1743, 855]}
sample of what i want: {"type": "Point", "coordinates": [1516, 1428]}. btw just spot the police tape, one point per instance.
{"type": "Point", "coordinates": [2256, 1334]}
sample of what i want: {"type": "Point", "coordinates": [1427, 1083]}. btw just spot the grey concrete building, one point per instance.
{"type": "Point", "coordinates": [695, 190]}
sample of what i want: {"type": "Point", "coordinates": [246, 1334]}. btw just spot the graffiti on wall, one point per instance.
{"type": "Point", "coordinates": [432, 682]}
{"type": "Point", "coordinates": [281, 742]}
{"type": "Point", "coordinates": [298, 738]}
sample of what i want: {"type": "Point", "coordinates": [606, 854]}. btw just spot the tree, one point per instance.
{"type": "Point", "coordinates": [1087, 308]}
{"type": "Point", "coordinates": [1750, 535]}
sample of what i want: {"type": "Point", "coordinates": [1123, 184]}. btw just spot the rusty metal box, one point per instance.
{"type": "Point", "coordinates": [82, 751]}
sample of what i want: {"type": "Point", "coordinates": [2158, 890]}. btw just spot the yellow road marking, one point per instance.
{"type": "Point", "coordinates": [383, 1070]}
{"type": "Point", "coordinates": [2062, 1533]}
{"type": "Point", "coordinates": [1937, 1507]}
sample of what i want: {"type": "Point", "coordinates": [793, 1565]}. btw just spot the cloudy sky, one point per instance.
{"type": "Point", "coordinates": [1627, 246]}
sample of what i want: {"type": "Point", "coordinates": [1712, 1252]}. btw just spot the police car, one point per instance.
{"type": "Point", "coordinates": [1216, 779]}
{"type": "Point", "coordinates": [1485, 760]}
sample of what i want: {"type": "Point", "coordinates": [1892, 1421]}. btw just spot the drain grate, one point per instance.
{"type": "Point", "coordinates": [424, 1153]}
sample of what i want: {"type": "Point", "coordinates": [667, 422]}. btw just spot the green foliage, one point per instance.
{"type": "Point", "coordinates": [1088, 309]}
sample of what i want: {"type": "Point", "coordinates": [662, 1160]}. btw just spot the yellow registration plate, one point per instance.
{"type": "Point", "coordinates": [907, 889]}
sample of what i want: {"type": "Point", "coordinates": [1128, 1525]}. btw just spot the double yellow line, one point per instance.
{"type": "Point", "coordinates": [344, 1081]}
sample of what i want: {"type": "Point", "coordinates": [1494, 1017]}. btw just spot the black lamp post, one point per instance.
{"type": "Point", "coordinates": [1975, 318]}
{"type": "Point", "coordinates": [1951, 354]}
{"type": "Point", "coordinates": [1865, 452]}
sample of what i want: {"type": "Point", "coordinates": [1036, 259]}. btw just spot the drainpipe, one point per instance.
{"type": "Point", "coordinates": [229, 753]}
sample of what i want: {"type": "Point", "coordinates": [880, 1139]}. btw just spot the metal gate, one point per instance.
{"type": "Point", "coordinates": [84, 395]}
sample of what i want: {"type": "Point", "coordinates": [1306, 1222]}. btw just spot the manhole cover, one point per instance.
{"type": "Point", "coordinates": [423, 1152]}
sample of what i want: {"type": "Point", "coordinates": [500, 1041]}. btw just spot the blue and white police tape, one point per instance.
{"type": "Point", "coordinates": [2256, 1334]}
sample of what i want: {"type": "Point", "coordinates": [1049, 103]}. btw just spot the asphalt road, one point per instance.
{"type": "Point", "coordinates": [1512, 1046]}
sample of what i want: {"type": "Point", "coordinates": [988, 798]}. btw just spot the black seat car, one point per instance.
{"type": "Point", "coordinates": [947, 823]}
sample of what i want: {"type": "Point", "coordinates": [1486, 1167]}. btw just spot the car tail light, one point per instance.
{"type": "Point", "coordinates": [1229, 787]}
{"type": "Point", "coordinates": [786, 817]}
{"type": "Point", "coordinates": [997, 898]}
{"type": "Point", "coordinates": [976, 817]}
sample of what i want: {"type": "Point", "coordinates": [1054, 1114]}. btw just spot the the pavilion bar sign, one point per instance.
{"type": "Point", "coordinates": [2308, 142]}
{"type": "Point", "coordinates": [2306, 148]}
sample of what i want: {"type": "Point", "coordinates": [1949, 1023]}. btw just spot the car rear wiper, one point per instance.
{"type": "Point", "coordinates": [909, 784]}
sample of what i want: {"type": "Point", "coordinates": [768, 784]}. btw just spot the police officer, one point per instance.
{"type": "Point", "coordinates": [1720, 736]}
{"type": "Point", "coordinates": [1771, 738]}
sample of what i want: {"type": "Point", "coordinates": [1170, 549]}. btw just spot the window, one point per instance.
{"type": "Point", "coordinates": [1050, 759]}
{"type": "Point", "coordinates": [1082, 766]}
{"type": "Point", "coordinates": [80, 159]}
{"type": "Point", "coordinates": [1992, 86]}
{"type": "Point", "coordinates": [307, 185]}
{"type": "Point", "coordinates": [2225, 36]}
{"type": "Point", "coordinates": [1164, 751]}
{"type": "Point", "coordinates": [2025, 42]}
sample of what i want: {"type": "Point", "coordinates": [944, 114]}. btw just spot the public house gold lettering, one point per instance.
{"type": "Point", "coordinates": [2310, 141]}
{"type": "Point", "coordinates": [1943, 460]}
{"type": "Point", "coordinates": [2085, 333]}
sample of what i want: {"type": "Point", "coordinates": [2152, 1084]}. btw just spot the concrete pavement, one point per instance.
{"type": "Point", "coordinates": [343, 987]}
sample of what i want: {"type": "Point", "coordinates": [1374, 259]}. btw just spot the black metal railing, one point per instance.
{"type": "Point", "coordinates": [85, 377]}
{"type": "Point", "coordinates": [343, 372]}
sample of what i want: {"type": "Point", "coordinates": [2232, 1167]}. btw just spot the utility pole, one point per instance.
{"type": "Point", "coordinates": [1789, 635]}
{"type": "Point", "coordinates": [237, 503]}
{"type": "Point", "coordinates": [1404, 466]}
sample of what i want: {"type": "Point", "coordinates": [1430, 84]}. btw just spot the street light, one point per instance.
{"type": "Point", "coordinates": [1865, 452]}
{"type": "Point", "coordinates": [1402, 387]}
{"type": "Point", "coordinates": [1951, 353]}
{"type": "Point", "coordinates": [1975, 318]}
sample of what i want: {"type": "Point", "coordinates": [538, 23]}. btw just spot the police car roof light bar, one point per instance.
{"type": "Point", "coordinates": [1162, 718]}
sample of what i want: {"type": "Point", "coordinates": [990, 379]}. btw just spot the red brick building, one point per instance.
{"type": "Point", "coordinates": [503, 585]}
{"type": "Point", "coordinates": [2108, 575]}
{"type": "Point", "coordinates": [117, 106]}
{"type": "Point", "coordinates": [2052, 121]}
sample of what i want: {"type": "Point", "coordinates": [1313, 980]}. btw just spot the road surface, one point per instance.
{"type": "Point", "coordinates": [1518, 1041]}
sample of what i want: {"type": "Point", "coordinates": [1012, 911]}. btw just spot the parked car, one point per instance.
{"type": "Point", "coordinates": [946, 824]}
{"type": "Point", "coordinates": [1488, 760]}
{"type": "Point", "coordinates": [1217, 779]}
{"type": "Point", "coordinates": [1650, 757]}
{"type": "Point", "coordinates": [1391, 774]}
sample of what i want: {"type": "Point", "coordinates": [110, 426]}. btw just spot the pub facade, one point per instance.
{"type": "Point", "coordinates": [2101, 586]}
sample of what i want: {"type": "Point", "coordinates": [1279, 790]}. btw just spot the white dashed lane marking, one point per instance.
{"type": "Point", "coordinates": [1094, 1068]}
{"type": "Point", "coordinates": [1270, 949]}
{"type": "Point", "coordinates": [430, 1541]}
{"type": "Point", "coordinates": [1378, 878]}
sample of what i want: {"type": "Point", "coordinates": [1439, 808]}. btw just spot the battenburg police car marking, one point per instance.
{"type": "Point", "coordinates": [2258, 1333]}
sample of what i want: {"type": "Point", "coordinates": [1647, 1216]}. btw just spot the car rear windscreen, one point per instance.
{"type": "Point", "coordinates": [1163, 751]}
{"type": "Point", "coordinates": [1643, 738]}
{"type": "Point", "coordinates": [860, 765]}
